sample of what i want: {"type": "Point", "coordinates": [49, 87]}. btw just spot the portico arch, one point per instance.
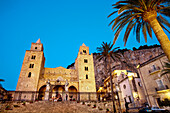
{"type": "Point", "coordinates": [72, 93]}
{"type": "Point", "coordinates": [42, 92]}
{"type": "Point", "coordinates": [58, 90]}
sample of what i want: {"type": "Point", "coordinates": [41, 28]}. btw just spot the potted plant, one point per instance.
{"type": "Point", "coordinates": [8, 107]}
{"type": "Point", "coordinates": [100, 108]}
{"type": "Point", "coordinates": [88, 104]}
{"type": "Point", "coordinates": [78, 101]}
{"type": "Point", "coordinates": [107, 110]}
{"type": "Point", "coordinates": [31, 101]}
{"type": "Point", "coordinates": [94, 106]}
{"type": "Point", "coordinates": [83, 103]}
{"type": "Point", "coordinates": [16, 105]}
{"type": "Point", "coordinates": [24, 103]}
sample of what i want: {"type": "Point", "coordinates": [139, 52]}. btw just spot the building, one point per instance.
{"type": "Point", "coordinates": [127, 88]}
{"type": "Point", "coordinates": [55, 82]}
{"type": "Point", "coordinates": [156, 87]}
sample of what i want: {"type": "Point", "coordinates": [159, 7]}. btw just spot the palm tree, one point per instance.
{"type": "Point", "coordinates": [108, 53]}
{"type": "Point", "coordinates": [167, 69]}
{"type": "Point", "coordinates": [142, 14]}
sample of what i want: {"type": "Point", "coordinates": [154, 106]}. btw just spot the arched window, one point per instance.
{"type": "Point", "coordinates": [86, 68]}
{"type": "Point", "coordinates": [29, 74]}
{"type": "Point", "coordinates": [86, 76]}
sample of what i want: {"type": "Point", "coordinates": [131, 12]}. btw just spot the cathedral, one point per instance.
{"type": "Point", "coordinates": [59, 81]}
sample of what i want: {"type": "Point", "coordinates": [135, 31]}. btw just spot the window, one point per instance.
{"type": "Point", "coordinates": [33, 57]}
{"type": "Point", "coordinates": [35, 47]}
{"type": "Point", "coordinates": [84, 51]}
{"type": "Point", "coordinates": [29, 74]}
{"type": "Point", "coordinates": [86, 76]}
{"type": "Point", "coordinates": [154, 67]}
{"type": "Point", "coordinates": [139, 84]}
{"type": "Point", "coordinates": [85, 61]}
{"type": "Point", "coordinates": [160, 83]}
{"type": "Point", "coordinates": [86, 68]}
{"type": "Point", "coordinates": [124, 86]}
{"type": "Point", "coordinates": [31, 66]}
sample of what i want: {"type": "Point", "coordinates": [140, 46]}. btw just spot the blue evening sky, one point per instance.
{"type": "Point", "coordinates": [62, 25]}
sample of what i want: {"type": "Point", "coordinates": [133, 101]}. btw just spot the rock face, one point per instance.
{"type": "Point", "coordinates": [133, 58]}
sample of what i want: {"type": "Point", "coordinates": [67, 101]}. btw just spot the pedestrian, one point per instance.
{"type": "Point", "coordinates": [126, 106]}
{"type": "Point", "coordinates": [53, 98]}
{"type": "Point", "coordinates": [66, 97]}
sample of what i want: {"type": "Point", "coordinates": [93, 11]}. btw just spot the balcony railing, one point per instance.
{"type": "Point", "coordinates": [164, 87]}
{"type": "Point", "coordinates": [154, 69]}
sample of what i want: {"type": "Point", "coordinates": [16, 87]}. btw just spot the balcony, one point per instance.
{"type": "Point", "coordinates": [164, 87]}
{"type": "Point", "coordinates": [154, 70]}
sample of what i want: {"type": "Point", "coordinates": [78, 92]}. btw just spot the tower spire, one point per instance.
{"type": "Point", "coordinates": [38, 41]}
{"type": "Point", "coordinates": [83, 44]}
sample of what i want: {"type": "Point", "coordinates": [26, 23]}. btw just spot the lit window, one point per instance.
{"type": "Point", "coordinates": [86, 76]}
{"type": "Point", "coordinates": [85, 61]}
{"type": "Point", "coordinates": [31, 66]}
{"type": "Point", "coordinates": [86, 68]}
{"type": "Point", "coordinates": [29, 74]}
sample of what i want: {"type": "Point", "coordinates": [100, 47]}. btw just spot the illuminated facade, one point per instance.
{"type": "Point", "coordinates": [156, 87]}
{"type": "Point", "coordinates": [127, 88]}
{"type": "Point", "coordinates": [51, 82]}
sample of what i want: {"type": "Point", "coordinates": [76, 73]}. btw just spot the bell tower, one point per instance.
{"type": "Point", "coordinates": [32, 67]}
{"type": "Point", "coordinates": [85, 69]}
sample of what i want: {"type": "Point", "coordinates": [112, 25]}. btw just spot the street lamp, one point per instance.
{"type": "Point", "coordinates": [130, 75]}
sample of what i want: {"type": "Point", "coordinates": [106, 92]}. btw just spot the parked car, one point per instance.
{"type": "Point", "coordinates": [158, 110]}
{"type": "Point", "coordinates": [145, 110]}
{"type": "Point", "coordinates": [153, 110]}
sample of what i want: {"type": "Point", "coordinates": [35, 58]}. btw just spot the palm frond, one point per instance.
{"type": "Point", "coordinates": [144, 31]}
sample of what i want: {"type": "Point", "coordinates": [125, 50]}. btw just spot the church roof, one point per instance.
{"type": "Point", "coordinates": [38, 41]}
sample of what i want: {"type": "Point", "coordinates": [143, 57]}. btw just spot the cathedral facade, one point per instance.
{"type": "Point", "coordinates": [59, 81]}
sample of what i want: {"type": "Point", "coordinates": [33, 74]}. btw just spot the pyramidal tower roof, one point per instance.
{"type": "Point", "coordinates": [38, 41]}
{"type": "Point", "coordinates": [83, 44]}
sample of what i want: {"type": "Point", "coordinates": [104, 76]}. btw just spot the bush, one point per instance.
{"type": "Point", "coordinates": [16, 105]}
{"type": "Point", "coordinates": [107, 109]}
{"type": "Point", "coordinates": [94, 106]}
{"type": "Point", "coordinates": [100, 108]}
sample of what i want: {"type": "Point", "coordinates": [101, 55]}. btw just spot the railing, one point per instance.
{"type": "Point", "coordinates": [48, 96]}
{"type": "Point", "coordinates": [154, 69]}
{"type": "Point", "coordinates": [164, 87]}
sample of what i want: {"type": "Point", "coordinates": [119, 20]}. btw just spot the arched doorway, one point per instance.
{"type": "Point", "coordinates": [58, 91]}
{"type": "Point", "coordinates": [72, 93]}
{"type": "Point", "coordinates": [42, 92]}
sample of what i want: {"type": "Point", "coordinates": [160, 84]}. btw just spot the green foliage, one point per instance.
{"type": "Point", "coordinates": [107, 109]}
{"type": "Point", "coordinates": [166, 102]}
{"type": "Point", "coordinates": [167, 68]}
{"type": "Point", "coordinates": [132, 13]}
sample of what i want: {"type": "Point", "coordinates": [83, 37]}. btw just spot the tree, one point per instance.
{"type": "Point", "coordinates": [142, 14]}
{"type": "Point", "coordinates": [1, 80]}
{"type": "Point", "coordinates": [108, 53]}
{"type": "Point", "coordinates": [167, 69]}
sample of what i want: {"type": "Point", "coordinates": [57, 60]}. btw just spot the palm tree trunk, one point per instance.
{"type": "Point", "coordinates": [111, 84]}
{"type": "Point", "coordinates": [161, 36]}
